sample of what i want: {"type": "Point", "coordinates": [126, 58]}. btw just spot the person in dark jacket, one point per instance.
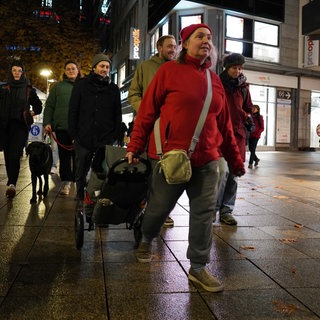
{"type": "Point", "coordinates": [240, 105]}
{"type": "Point", "coordinates": [94, 118]}
{"type": "Point", "coordinates": [19, 102]}
{"type": "Point", "coordinates": [56, 119]}
{"type": "Point", "coordinates": [255, 135]}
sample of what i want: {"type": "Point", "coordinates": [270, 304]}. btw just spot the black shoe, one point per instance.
{"type": "Point", "coordinates": [256, 162]}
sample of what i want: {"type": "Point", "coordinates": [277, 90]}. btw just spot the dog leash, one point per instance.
{"type": "Point", "coordinates": [69, 148]}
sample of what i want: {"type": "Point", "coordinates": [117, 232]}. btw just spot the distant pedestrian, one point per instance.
{"type": "Point", "coordinates": [255, 135]}
{"type": "Point", "coordinates": [19, 102]}
{"type": "Point", "coordinates": [94, 117]}
{"type": "Point", "coordinates": [56, 120]}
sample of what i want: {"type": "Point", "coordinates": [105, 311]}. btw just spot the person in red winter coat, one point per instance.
{"type": "Point", "coordinates": [176, 96]}
{"type": "Point", "coordinates": [255, 135]}
{"type": "Point", "coordinates": [240, 105]}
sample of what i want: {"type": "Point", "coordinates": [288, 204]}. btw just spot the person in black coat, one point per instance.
{"type": "Point", "coordinates": [94, 118]}
{"type": "Point", "coordinates": [17, 97]}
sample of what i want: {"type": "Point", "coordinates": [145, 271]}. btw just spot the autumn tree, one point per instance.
{"type": "Point", "coordinates": [44, 38]}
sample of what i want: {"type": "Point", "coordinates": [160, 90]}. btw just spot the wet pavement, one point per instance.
{"type": "Point", "coordinates": [269, 263]}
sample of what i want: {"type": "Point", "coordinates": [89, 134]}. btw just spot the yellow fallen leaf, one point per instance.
{"type": "Point", "coordinates": [284, 240]}
{"type": "Point", "coordinates": [287, 308]}
{"type": "Point", "coordinates": [293, 270]}
{"type": "Point", "coordinates": [299, 226]}
{"type": "Point", "coordinates": [248, 247]}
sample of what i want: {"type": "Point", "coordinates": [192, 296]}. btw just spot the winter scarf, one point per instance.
{"type": "Point", "coordinates": [13, 99]}
{"type": "Point", "coordinates": [231, 82]}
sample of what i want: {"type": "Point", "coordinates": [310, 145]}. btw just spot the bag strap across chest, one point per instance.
{"type": "Point", "coordinates": [199, 126]}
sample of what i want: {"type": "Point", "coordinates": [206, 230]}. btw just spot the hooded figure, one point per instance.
{"type": "Point", "coordinates": [18, 104]}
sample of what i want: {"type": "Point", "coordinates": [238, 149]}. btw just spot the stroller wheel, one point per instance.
{"type": "Point", "coordinates": [79, 229]}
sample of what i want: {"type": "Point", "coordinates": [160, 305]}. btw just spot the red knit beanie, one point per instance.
{"type": "Point", "coordinates": [186, 32]}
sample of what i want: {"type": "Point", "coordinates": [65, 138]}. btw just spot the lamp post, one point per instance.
{"type": "Point", "coordinates": [46, 73]}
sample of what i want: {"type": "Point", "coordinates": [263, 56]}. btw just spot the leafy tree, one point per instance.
{"type": "Point", "coordinates": [44, 38]}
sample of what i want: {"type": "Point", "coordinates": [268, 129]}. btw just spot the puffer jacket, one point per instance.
{"type": "Point", "coordinates": [57, 105]}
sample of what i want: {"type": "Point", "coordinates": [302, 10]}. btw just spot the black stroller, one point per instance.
{"type": "Point", "coordinates": [121, 197]}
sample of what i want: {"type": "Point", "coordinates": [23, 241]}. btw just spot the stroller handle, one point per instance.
{"type": "Point", "coordinates": [133, 166]}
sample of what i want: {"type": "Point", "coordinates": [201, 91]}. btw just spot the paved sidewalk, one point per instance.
{"type": "Point", "coordinates": [269, 263]}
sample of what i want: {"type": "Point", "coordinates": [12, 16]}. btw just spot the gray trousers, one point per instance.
{"type": "Point", "coordinates": [201, 191]}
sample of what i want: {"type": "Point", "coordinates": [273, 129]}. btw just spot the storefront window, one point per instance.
{"type": "Point", "coordinates": [266, 53]}
{"type": "Point", "coordinates": [190, 19]}
{"type": "Point", "coordinates": [253, 39]}
{"type": "Point", "coordinates": [265, 98]}
{"type": "Point", "coordinates": [314, 119]}
{"type": "Point", "coordinates": [154, 39]}
{"type": "Point", "coordinates": [234, 27]}
{"type": "Point", "coordinates": [121, 75]}
{"type": "Point", "coordinates": [165, 28]}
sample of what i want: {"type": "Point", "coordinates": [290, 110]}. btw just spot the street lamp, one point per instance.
{"type": "Point", "coordinates": [46, 73]}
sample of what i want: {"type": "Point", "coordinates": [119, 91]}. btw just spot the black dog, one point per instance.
{"type": "Point", "coordinates": [40, 163]}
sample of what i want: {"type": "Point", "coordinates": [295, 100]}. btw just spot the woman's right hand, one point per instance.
{"type": "Point", "coordinates": [131, 157]}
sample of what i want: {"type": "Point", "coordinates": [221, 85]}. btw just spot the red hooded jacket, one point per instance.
{"type": "Point", "coordinates": [176, 94]}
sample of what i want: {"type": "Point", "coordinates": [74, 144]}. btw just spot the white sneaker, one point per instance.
{"type": "Point", "coordinates": [65, 190]}
{"type": "Point", "coordinates": [53, 170]}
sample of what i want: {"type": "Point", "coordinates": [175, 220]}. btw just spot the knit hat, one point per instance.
{"type": "Point", "coordinates": [17, 63]}
{"type": "Point", "coordinates": [98, 58]}
{"type": "Point", "coordinates": [186, 32]}
{"type": "Point", "coordinates": [233, 59]}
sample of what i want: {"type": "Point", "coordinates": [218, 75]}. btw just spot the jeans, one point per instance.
{"type": "Point", "coordinates": [252, 148]}
{"type": "Point", "coordinates": [201, 191]}
{"type": "Point", "coordinates": [227, 189]}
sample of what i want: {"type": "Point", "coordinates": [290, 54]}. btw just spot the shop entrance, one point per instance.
{"type": "Point", "coordinates": [314, 119]}
{"type": "Point", "coordinates": [265, 97]}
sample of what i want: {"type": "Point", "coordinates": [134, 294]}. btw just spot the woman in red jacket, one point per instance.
{"type": "Point", "coordinates": [176, 95]}
{"type": "Point", "coordinates": [255, 135]}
